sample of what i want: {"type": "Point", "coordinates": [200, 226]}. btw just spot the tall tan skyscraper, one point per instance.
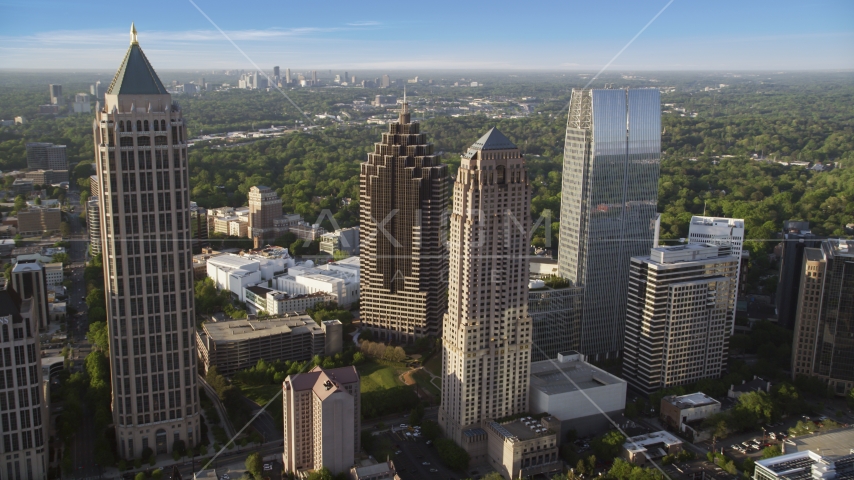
{"type": "Point", "coordinates": [141, 151]}
{"type": "Point", "coordinates": [486, 335]}
{"type": "Point", "coordinates": [264, 207]}
{"type": "Point", "coordinates": [823, 342]}
{"type": "Point", "coordinates": [404, 265]}
{"type": "Point", "coordinates": [23, 451]}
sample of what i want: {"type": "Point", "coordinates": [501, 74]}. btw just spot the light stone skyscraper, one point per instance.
{"type": "Point", "coordinates": [608, 203]}
{"type": "Point", "coordinates": [823, 345]}
{"type": "Point", "coordinates": [404, 264]}
{"type": "Point", "coordinates": [486, 334]}
{"type": "Point", "coordinates": [23, 407]}
{"type": "Point", "coordinates": [141, 151]}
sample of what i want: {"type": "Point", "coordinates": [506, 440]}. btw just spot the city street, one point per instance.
{"type": "Point", "coordinates": [265, 424]}
{"type": "Point", "coordinates": [414, 452]}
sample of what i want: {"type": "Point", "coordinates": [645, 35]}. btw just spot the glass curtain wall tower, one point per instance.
{"type": "Point", "coordinates": [608, 203]}
{"type": "Point", "coordinates": [404, 264]}
{"type": "Point", "coordinates": [141, 152]}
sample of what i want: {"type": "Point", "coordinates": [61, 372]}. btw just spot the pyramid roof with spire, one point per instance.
{"type": "Point", "coordinates": [136, 76]}
{"type": "Point", "coordinates": [493, 140]}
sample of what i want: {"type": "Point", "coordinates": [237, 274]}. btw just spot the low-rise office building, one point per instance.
{"type": "Point", "coordinates": [345, 240]}
{"type": "Point", "coordinates": [523, 448]}
{"type": "Point", "coordinates": [379, 471]}
{"type": "Point", "coordinates": [22, 186]}
{"type": "Point", "coordinates": [232, 225]}
{"type": "Point", "coordinates": [806, 465]}
{"type": "Point", "coordinates": [47, 177]}
{"type": "Point", "coordinates": [38, 220]}
{"type": "Point", "coordinates": [570, 389]}
{"type": "Point", "coordinates": [275, 302]}
{"type": "Point", "coordinates": [685, 413]}
{"type": "Point", "coordinates": [756, 385]}
{"type": "Point", "coordinates": [641, 449]}
{"type": "Point", "coordinates": [53, 274]}
{"type": "Point", "coordinates": [322, 426]}
{"type": "Point", "coordinates": [306, 231]}
{"type": "Point", "coordinates": [340, 279]}
{"type": "Point", "coordinates": [236, 272]}
{"type": "Point", "coordinates": [238, 344]}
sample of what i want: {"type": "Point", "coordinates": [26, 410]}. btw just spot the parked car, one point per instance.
{"type": "Point", "coordinates": [425, 463]}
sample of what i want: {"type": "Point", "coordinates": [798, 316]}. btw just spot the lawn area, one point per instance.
{"type": "Point", "coordinates": [376, 376]}
{"type": "Point", "coordinates": [423, 381]}
{"type": "Point", "coordinates": [434, 365]}
{"type": "Point", "coordinates": [260, 394]}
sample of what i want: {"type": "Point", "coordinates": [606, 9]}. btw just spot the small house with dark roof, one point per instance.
{"type": "Point", "coordinates": [756, 385]}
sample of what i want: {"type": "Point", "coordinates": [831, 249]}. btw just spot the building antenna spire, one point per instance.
{"type": "Point", "coordinates": [133, 40]}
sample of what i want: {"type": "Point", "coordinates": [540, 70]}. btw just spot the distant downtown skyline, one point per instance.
{"type": "Point", "coordinates": [728, 35]}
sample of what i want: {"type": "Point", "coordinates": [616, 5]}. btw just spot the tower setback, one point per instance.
{"type": "Point", "coordinates": [404, 265]}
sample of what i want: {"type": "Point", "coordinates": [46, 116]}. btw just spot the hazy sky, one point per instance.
{"type": "Point", "coordinates": [568, 34]}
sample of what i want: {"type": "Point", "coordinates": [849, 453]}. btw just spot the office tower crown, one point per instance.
{"type": "Point", "coordinates": [136, 76]}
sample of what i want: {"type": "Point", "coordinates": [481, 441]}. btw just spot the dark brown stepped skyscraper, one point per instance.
{"type": "Point", "coordinates": [404, 264]}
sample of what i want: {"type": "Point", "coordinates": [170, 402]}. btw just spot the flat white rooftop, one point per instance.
{"type": "Point", "coordinates": [639, 443]}
{"type": "Point", "coordinates": [717, 221]}
{"type": "Point", "coordinates": [698, 399]}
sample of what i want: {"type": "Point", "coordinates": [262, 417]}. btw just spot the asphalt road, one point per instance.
{"type": "Point", "coordinates": [265, 424]}
{"type": "Point", "coordinates": [83, 445]}
{"type": "Point", "coordinates": [414, 452]}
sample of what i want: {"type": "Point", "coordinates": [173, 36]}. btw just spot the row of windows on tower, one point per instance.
{"type": "Point", "coordinates": [20, 359]}
{"type": "Point", "coordinates": [17, 331]}
{"type": "Point", "coordinates": [28, 439]}
{"type": "Point", "coordinates": [7, 377]}
{"type": "Point", "coordinates": [135, 267]}
{"type": "Point", "coordinates": [146, 181]}
{"type": "Point", "coordinates": [142, 126]}
{"type": "Point", "coordinates": [159, 140]}
{"type": "Point", "coordinates": [24, 398]}
{"type": "Point", "coordinates": [169, 304]}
